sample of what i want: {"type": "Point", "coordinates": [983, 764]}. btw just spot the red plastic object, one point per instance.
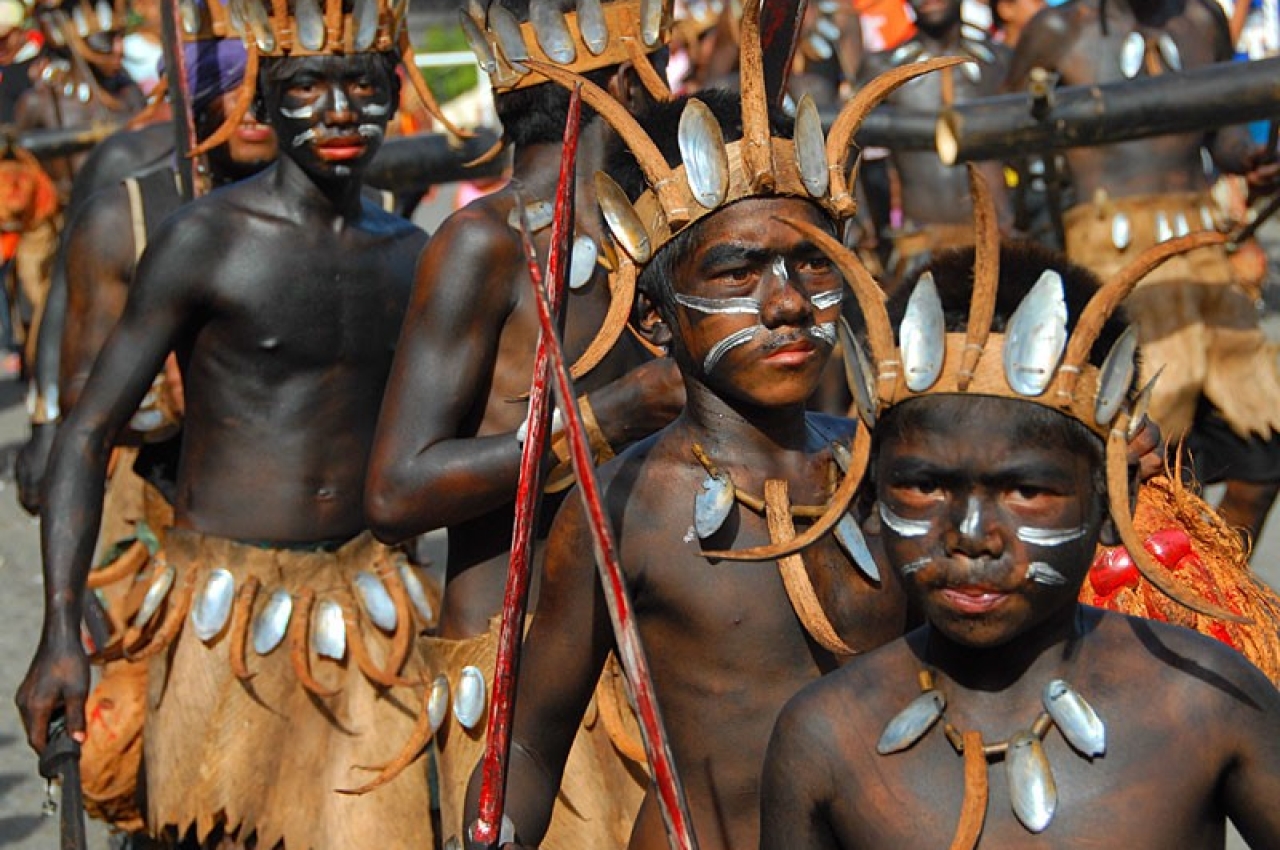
{"type": "Point", "coordinates": [1113, 570]}
{"type": "Point", "coordinates": [1169, 546]}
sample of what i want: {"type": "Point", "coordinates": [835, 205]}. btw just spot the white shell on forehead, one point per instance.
{"type": "Point", "coordinates": [328, 631]}
{"type": "Point", "coordinates": [923, 336]}
{"type": "Point", "coordinates": [81, 22]}
{"type": "Point", "coordinates": [712, 505]}
{"type": "Point", "coordinates": [1032, 791]}
{"type": "Point", "coordinates": [1036, 336]}
{"type": "Point", "coordinates": [470, 697]}
{"type": "Point", "coordinates": [1132, 52]}
{"type": "Point", "coordinates": [1164, 231]}
{"type": "Point", "coordinates": [1116, 376]}
{"type": "Point", "coordinates": [651, 12]}
{"type": "Point", "coordinates": [819, 46]}
{"type": "Point", "coordinates": [622, 218]}
{"type": "Point", "coordinates": [1169, 51]}
{"type": "Point", "coordinates": [1121, 231]}
{"type": "Point", "coordinates": [260, 25]}
{"type": "Point", "coordinates": [272, 622]}
{"type": "Point", "coordinates": [505, 26]}
{"type": "Point", "coordinates": [438, 702]}
{"type": "Point", "coordinates": [479, 44]}
{"type": "Point", "coordinates": [364, 14]}
{"type": "Point", "coordinates": [376, 600]}
{"type": "Point", "coordinates": [811, 148]}
{"type": "Point", "coordinates": [706, 163]}
{"type": "Point", "coordinates": [105, 16]}
{"type": "Point", "coordinates": [552, 31]}
{"type": "Point", "coordinates": [582, 262]}
{"type": "Point", "coordinates": [1206, 219]}
{"type": "Point", "coordinates": [592, 26]}
{"type": "Point", "coordinates": [212, 604]}
{"type": "Point", "coordinates": [190, 13]}
{"type": "Point", "coordinates": [972, 71]}
{"type": "Point", "coordinates": [1181, 227]}
{"type": "Point", "coordinates": [417, 593]}
{"type": "Point", "coordinates": [159, 589]}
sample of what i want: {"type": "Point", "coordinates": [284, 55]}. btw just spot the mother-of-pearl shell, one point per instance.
{"type": "Point", "coordinates": [272, 622]}
{"type": "Point", "coordinates": [376, 600]}
{"type": "Point", "coordinates": [328, 631]}
{"type": "Point", "coordinates": [212, 605]}
{"type": "Point", "coordinates": [470, 697]}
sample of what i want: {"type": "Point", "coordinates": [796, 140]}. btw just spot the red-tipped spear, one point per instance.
{"type": "Point", "coordinates": [487, 828]}
{"type": "Point", "coordinates": [671, 799]}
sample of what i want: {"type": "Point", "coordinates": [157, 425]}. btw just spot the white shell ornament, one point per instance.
{"type": "Point", "coordinates": [923, 336]}
{"type": "Point", "coordinates": [1164, 231]}
{"type": "Point", "coordinates": [819, 47]}
{"type": "Point", "coordinates": [911, 724]}
{"type": "Point", "coordinates": [156, 593]}
{"type": "Point", "coordinates": [1036, 336]}
{"type": "Point", "coordinates": [1181, 227]}
{"type": "Point", "coordinates": [212, 604]}
{"type": "Point", "coordinates": [504, 25]}
{"type": "Point", "coordinates": [438, 702]}
{"type": "Point", "coordinates": [623, 220]}
{"type": "Point", "coordinates": [364, 16]}
{"type": "Point", "coordinates": [592, 26]}
{"type": "Point", "coordinates": [470, 697]}
{"type": "Point", "coordinates": [376, 600]}
{"type": "Point", "coordinates": [811, 148]}
{"type": "Point", "coordinates": [272, 622]}
{"type": "Point", "coordinates": [417, 593]}
{"type": "Point", "coordinates": [1075, 719]}
{"type": "Point", "coordinates": [1169, 51]}
{"type": "Point", "coordinates": [1121, 231]}
{"type": "Point", "coordinates": [1132, 52]}
{"type": "Point", "coordinates": [849, 535]}
{"type": "Point", "coordinates": [706, 165]}
{"type": "Point", "coordinates": [582, 262]}
{"type": "Point", "coordinates": [328, 631]}
{"type": "Point", "coordinates": [651, 21]}
{"type": "Point", "coordinates": [712, 505]}
{"type": "Point", "coordinates": [260, 25]}
{"type": "Point", "coordinates": [479, 44]}
{"type": "Point", "coordinates": [537, 215]}
{"type": "Point", "coordinates": [1032, 791]}
{"type": "Point", "coordinates": [858, 374]}
{"type": "Point", "coordinates": [1116, 376]}
{"type": "Point", "coordinates": [190, 14]}
{"type": "Point", "coordinates": [552, 31]}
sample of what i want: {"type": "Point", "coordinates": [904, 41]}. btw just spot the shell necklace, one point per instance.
{"type": "Point", "coordinates": [1032, 791]}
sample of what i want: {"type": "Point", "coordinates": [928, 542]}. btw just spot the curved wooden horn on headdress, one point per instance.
{"type": "Point", "coordinates": [757, 150]}
{"type": "Point", "coordinates": [653, 82]}
{"type": "Point", "coordinates": [855, 112]}
{"type": "Point", "coordinates": [421, 88]}
{"type": "Point", "coordinates": [654, 165]}
{"type": "Point", "coordinates": [155, 100]}
{"type": "Point", "coordinates": [82, 54]}
{"type": "Point", "coordinates": [1151, 569]}
{"type": "Point", "coordinates": [869, 294]}
{"type": "Point", "coordinates": [284, 32]}
{"type": "Point", "coordinates": [244, 100]}
{"type": "Point", "coordinates": [413, 748]}
{"type": "Point", "coordinates": [836, 508]}
{"type": "Point", "coordinates": [986, 275]}
{"type": "Point", "coordinates": [241, 613]}
{"type": "Point", "coordinates": [1114, 291]}
{"type": "Point", "coordinates": [622, 294]}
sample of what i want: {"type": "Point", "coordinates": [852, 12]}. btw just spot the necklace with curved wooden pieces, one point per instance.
{"type": "Point", "coordinates": [301, 28]}
{"type": "Point", "coordinates": [1033, 360]}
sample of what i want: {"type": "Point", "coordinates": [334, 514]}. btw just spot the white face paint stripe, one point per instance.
{"type": "Point", "coordinates": [1042, 573]}
{"type": "Point", "coordinates": [830, 298]}
{"type": "Point", "coordinates": [1049, 536]}
{"type": "Point", "coordinates": [824, 332]}
{"type": "Point", "coordinates": [902, 526]}
{"type": "Point", "coordinates": [971, 526]}
{"type": "Point", "coordinates": [779, 268]}
{"type": "Point", "coordinates": [375, 108]}
{"type": "Point", "coordinates": [302, 112]}
{"type": "Point", "coordinates": [745, 306]}
{"type": "Point", "coordinates": [340, 102]}
{"type": "Point", "coordinates": [732, 341]}
{"type": "Point", "coordinates": [370, 131]}
{"type": "Point", "coordinates": [305, 137]}
{"type": "Point", "coordinates": [914, 566]}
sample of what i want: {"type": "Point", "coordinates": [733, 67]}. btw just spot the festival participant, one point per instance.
{"type": "Point", "coordinates": [936, 209]}
{"type": "Point", "coordinates": [749, 307]}
{"type": "Point", "coordinates": [281, 295]}
{"type": "Point", "coordinates": [447, 451]}
{"type": "Point", "coordinates": [1196, 316]}
{"type": "Point", "coordinates": [1017, 715]}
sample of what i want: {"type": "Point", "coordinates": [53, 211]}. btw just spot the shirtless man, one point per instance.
{"type": "Point", "coordinates": [936, 209]}
{"type": "Point", "coordinates": [282, 296]}
{"type": "Point", "coordinates": [993, 538]}
{"type": "Point", "coordinates": [1194, 319]}
{"type": "Point", "coordinates": [447, 453]}
{"type": "Point", "coordinates": [747, 305]}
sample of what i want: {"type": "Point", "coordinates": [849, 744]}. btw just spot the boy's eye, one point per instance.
{"type": "Point", "coordinates": [1030, 497]}
{"type": "Point", "coordinates": [814, 265]}
{"type": "Point", "coordinates": [917, 494]}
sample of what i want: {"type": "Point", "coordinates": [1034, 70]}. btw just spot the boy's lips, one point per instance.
{"type": "Point", "coordinates": [254, 132]}
{"type": "Point", "coordinates": [793, 353]}
{"type": "Point", "coordinates": [973, 599]}
{"type": "Point", "coordinates": [340, 149]}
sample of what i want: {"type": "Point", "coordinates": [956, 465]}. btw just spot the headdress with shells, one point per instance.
{"type": "Point", "coordinates": [71, 25]}
{"type": "Point", "coordinates": [713, 174]}
{"type": "Point", "coordinates": [594, 34]}
{"type": "Point", "coordinates": [306, 28]}
{"type": "Point", "coordinates": [1035, 359]}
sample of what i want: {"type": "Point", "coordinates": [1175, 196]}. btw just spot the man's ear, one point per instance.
{"type": "Point", "coordinates": [649, 323]}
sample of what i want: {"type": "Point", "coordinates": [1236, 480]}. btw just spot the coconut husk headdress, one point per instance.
{"type": "Point", "coordinates": [712, 174]}
{"type": "Point", "coordinates": [71, 25]}
{"type": "Point", "coordinates": [1035, 359]}
{"type": "Point", "coordinates": [306, 28]}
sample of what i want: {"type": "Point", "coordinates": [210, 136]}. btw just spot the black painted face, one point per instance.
{"type": "Point", "coordinates": [330, 113]}
{"type": "Point", "coordinates": [991, 521]}
{"type": "Point", "coordinates": [936, 16]}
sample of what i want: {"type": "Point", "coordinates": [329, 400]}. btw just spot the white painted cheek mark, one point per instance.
{"type": "Point", "coordinates": [375, 109]}
{"type": "Point", "coordinates": [902, 526]}
{"type": "Point", "coordinates": [304, 113]}
{"type": "Point", "coordinates": [824, 332]}
{"type": "Point", "coordinates": [710, 306]}
{"type": "Point", "coordinates": [305, 137]}
{"type": "Point", "coordinates": [824, 300]}
{"type": "Point", "coordinates": [370, 131]}
{"type": "Point", "coordinates": [340, 102]}
{"type": "Point", "coordinates": [1042, 573]}
{"type": "Point", "coordinates": [730, 342]}
{"type": "Point", "coordinates": [971, 526]}
{"type": "Point", "coordinates": [1049, 536]}
{"type": "Point", "coordinates": [779, 268]}
{"type": "Point", "coordinates": [914, 566]}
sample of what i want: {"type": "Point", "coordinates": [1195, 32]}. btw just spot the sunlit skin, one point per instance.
{"type": "Point", "coordinates": [1191, 727]}
{"type": "Point", "coordinates": [724, 644]}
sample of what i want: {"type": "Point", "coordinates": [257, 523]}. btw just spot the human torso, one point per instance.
{"type": "Point", "coordinates": [285, 369]}
{"type": "Point", "coordinates": [724, 644]}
